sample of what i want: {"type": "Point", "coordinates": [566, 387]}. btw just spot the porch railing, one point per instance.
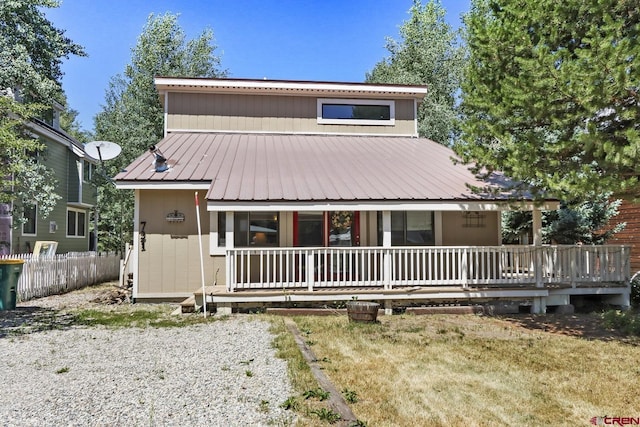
{"type": "Point", "coordinates": [464, 266]}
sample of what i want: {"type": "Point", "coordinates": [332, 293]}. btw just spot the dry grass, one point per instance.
{"type": "Point", "coordinates": [470, 370]}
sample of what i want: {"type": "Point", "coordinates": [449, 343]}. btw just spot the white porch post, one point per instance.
{"type": "Point", "coordinates": [229, 262]}
{"type": "Point", "coordinates": [228, 236]}
{"type": "Point", "coordinates": [386, 243]}
{"type": "Point", "coordinates": [539, 303]}
{"type": "Point", "coordinates": [537, 241]}
{"type": "Point", "coordinates": [386, 258]}
{"type": "Point", "coordinates": [537, 227]}
{"type": "Point", "coordinates": [310, 269]}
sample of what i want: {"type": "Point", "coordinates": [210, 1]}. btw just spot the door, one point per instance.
{"type": "Point", "coordinates": [343, 228]}
{"type": "Point", "coordinates": [329, 229]}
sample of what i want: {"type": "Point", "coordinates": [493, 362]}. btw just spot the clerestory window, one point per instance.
{"type": "Point", "coordinates": [356, 112]}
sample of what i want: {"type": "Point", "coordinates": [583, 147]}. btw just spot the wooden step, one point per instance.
{"type": "Point", "coordinates": [189, 305]}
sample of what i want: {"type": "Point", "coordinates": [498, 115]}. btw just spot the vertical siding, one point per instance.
{"type": "Point", "coordinates": [170, 265]}
{"type": "Point", "coordinates": [259, 113]}
{"type": "Point", "coordinates": [455, 231]}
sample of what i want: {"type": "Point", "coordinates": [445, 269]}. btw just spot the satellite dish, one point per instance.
{"type": "Point", "coordinates": [102, 150]}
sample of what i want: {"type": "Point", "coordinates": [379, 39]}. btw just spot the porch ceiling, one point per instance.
{"type": "Point", "coordinates": [312, 169]}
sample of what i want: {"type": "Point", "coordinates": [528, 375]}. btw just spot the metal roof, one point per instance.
{"type": "Point", "coordinates": [274, 167]}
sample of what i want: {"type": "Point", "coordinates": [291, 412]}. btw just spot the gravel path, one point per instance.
{"type": "Point", "coordinates": [222, 373]}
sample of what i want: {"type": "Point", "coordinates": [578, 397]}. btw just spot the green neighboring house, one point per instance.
{"type": "Point", "coordinates": [68, 223]}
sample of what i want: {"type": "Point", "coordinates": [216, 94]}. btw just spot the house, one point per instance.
{"type": "Point", "coordinates": [321, 191]}
{"type": "Point", "coordinates": [68, 223]}
{"type": "Point", "coordinates": [629, 213]}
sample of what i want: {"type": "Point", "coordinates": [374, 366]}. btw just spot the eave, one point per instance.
{"type": "Point", "coordinates": [287, 87]}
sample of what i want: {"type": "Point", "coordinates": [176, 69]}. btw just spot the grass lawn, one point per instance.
{"type": "Point", "coordinates": [466, 370]}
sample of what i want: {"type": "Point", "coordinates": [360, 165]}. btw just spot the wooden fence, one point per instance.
{"type": "Point", "coordinates": [44, 276]}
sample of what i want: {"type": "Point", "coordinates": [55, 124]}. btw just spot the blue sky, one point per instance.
{"type": "Point", "coordinates": [323, 40]}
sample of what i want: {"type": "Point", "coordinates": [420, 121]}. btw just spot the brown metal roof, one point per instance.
{"type": "Point", "coordinates": [273, 167]}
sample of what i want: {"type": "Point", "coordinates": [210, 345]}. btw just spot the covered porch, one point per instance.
{"type": "Point", "coordinates": [547, 275]}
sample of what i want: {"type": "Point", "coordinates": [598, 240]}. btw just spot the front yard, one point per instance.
{"type": "Point", "coordinates": [473, 370]}
{"type": "Point", "coordinates": [405, 370]}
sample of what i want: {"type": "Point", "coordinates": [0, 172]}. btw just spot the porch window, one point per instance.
{"type": "Point", "coordinates": [310, 226]}
{"type": "Point", "coordinates": [410, 228]}
{"type": "Point", "coordinates": [256, 229]}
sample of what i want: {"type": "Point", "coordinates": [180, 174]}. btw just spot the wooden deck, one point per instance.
{"type": "Point", "coordinates": [540, 275]}
{"type": "Point", "coordinates": [559, 294]}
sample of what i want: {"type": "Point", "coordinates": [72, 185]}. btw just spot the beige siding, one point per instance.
{"type": "Point", "coordinates": [256, 113]}
{"type": "Point", "coordinates": [456, 231]}
{"type": "Point", "coordinates": [170, 265]}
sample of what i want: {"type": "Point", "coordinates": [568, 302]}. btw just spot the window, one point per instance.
{"type": "Point", "coordinates": [411, 228]}
{"type": "Point", "coordinates": [87, 170]}
{"type": "Point", "coordinates": [76, 223]}
{"type": "Point", "coordinates": [222, 229]}
{"type": "Point", "coordinates": [356, 112]}
{"type": "Point", "coordinates": [30, 213]}
{"type": "Point", "coordinates": [310, 226]}
{"type": "Point", "coordinates": [256, 229]}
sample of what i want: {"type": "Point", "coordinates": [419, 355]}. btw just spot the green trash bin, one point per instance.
{"type": "Point", "coordinates": [10, 270]}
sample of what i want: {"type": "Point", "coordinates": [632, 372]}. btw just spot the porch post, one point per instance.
{"type": "Point", "coordinates": [310, 268]}
{"type": "Point", "coordinates": [386, 243]}
{"type": "Point", "coordinates": [537, 242]}
{"type": "Point", "coordinates": [537, 227]}
{"type": "Point", "coordinates": [539, 303]}
{"type": "Point", "coordinates": [228, 236]}
{"type": "Point", "coordinates": [386, 258]}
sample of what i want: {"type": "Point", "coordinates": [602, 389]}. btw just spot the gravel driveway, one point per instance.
{"type": "Point", "coordinates": [221, 373]}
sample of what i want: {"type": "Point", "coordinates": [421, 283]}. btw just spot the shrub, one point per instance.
{"type": "Point", "coordinates": [627, 322]}
{"type": "Point", "coordinates": [635, 290]}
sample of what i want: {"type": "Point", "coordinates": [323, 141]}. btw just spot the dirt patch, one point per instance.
{"type": "Point", "coordinates": [584, 325]}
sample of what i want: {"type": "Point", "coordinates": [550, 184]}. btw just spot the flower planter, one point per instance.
{"type": "Point", "coordinates": [362, 311]}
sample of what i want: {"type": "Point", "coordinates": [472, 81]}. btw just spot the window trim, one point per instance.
{"type": "Point", "coordinates": [76, 236]}
{"type": "Point", "coordinates": [356, 102]}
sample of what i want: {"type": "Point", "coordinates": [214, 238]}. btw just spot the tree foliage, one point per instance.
{"type": "Point", "coordinates": [31, 53]}
{"type": "Point", "coordinates": [429, 54]}
{"type": "Point", "coordinates": [32, 50]}
{"type": "Point", "coordinates": [26, 180]}
{"type": "Point", "coordinates": [575, 222]}
{"type": "Point", "coordinates": [133, 116]}
{"type": "Point", "coordinates": [550, 94]}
